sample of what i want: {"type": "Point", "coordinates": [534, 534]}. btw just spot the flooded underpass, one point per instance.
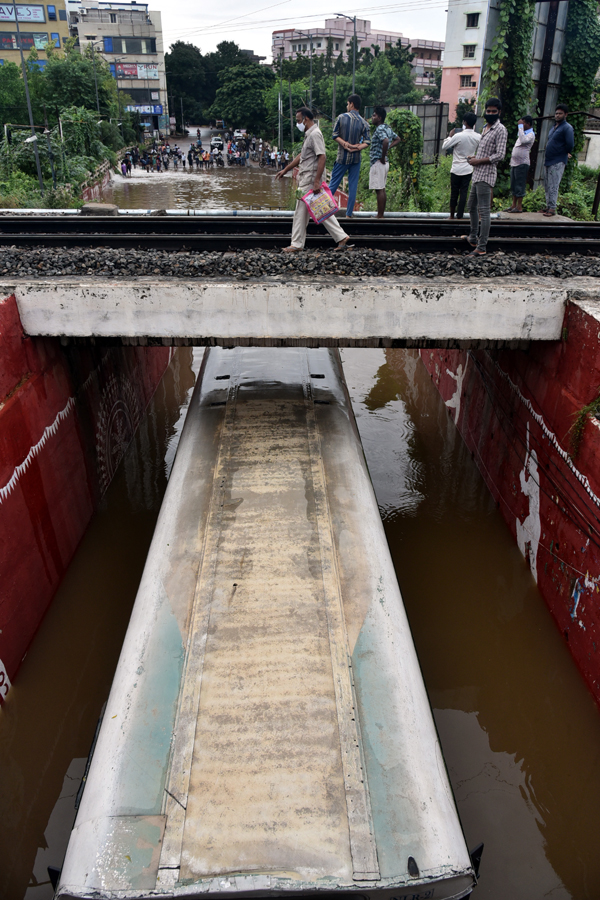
{"type": "Point", "coordinates": [519, 729]}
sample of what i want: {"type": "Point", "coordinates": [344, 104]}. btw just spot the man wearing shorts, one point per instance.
{"type": "Point", "coordinates": [382, 141]}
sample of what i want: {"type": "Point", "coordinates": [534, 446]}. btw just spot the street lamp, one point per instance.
{"type": "Point", "coordinates": [352, 19]}
{"type": "Point", "coordinates": [310, 38]}
{"type": "Point", "coordinates": [91, 38]}
{"type": "Point", "coordinates": [33, 138]}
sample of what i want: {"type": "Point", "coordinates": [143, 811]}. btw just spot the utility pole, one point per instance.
{"type": "Point", "coordinates": [310, 38]}
{"type": "Point", "coordinates": [352, 19]}
{"type": "Point", "coordinates": [291, 116]}
{"type": "Point", "coordinates": [91, 38]}
{"type": "Point", "coordinates": [50, 153]}
{"type": "Point", "coordinates": [29, 110]}
{"type": "Point", "coordinates": [333, 99]}
{"type": "Point", "coordinates": [182, 125]}
{"type": "Point", "coordinates": [280, 104]}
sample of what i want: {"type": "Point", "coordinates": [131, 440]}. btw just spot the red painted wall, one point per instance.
{"type": "Point", "coordinates": [515, 410]}
{"type": "Point", "coordinates": [66, 417]}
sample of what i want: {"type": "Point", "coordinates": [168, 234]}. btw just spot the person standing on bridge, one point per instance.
{"type": "Point", "coordinates": [463, 143]}
{"type": "Point", "coordinates": [383, 140]}
{"type": "Point", "coordinates": [311, 161]}
{"type": "Point", "coordinates": [491, 151]}
{"type": "Point", "coordinates": [519, 163]}
{"type": "Point", "coordinates": [561, 141]}
{"type": "Point", "coordinates": [352, 133]}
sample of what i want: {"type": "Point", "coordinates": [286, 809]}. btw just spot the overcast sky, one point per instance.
{"type": "Point", "coordinates": [251, 23]}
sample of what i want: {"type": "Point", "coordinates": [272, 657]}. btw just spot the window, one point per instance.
{"type": "Point", "coordinates": [293, 48]}
{"type": "Point", "coordinates": [472, 20]}
{"type": "Point", "coordinates": [319, 44]}
{"type": "Point", "coordinates": [52, 13]}
{"type": "Point", "coordinates": [62, 15]}
{"type": "Point", "coordinates": [469, 51]}
{"type": "Point", "coordinates": [108, 45]}
{"type": "Point", "coordinates": [129, 45]}
{"type": "Point", "coordinates": [304, 46]}
{"type": "Point", "coordinates": [466, 81]}
{"type": "Point", "coordinates": [55, 36]}
{"type": "Point", "coordinates": [337, 46]}
{"type": "Point", "coordinates": [113, 18]}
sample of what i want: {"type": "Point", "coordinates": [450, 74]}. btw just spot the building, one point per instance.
{"type": "Point", "coordinates": [293, 42]}
{"type": "Point", "coordinates": [129, 37]}
{"type": "Point", "coordinates": [464, 53]}
{"type": "Point", "coordinates": [39, 24]}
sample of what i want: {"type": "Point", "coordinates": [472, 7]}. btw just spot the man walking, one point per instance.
{"type": "Point", "coordinates": [519, 163]}
{"type": "Point", "coordinates": [491, 151]}
{"type": "Point", "coordinates": [381, 143]}
{"type": "Point", "coordinates": [353, 135]}
{"type": "Point", "coordinates": [311, 160]}
{"type": "Point", "coordinates": [561, 141]}
{"type": "Point", "coordinates": [463, 144]}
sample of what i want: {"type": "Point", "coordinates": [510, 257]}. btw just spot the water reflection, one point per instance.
{"type": "Point", "coordinates": [520, 731]}
{"type": "Point", "coordinates": [230, 188]}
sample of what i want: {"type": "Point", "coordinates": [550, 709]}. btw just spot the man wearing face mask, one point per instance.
{"type": "Point", "coordinates": [311, 160]}
{"type": "Point", "coordinates": [491, 151]}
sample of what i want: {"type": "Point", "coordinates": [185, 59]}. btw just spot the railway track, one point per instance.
{"type": "Point", "coordinates": [221, 233]}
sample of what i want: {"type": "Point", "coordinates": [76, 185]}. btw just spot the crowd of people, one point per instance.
{"type": "Point", "coordinates": [161, 157]}
{"type": "Point", "coordinates": [473, 174]}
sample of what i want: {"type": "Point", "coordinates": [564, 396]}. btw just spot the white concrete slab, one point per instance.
{"type": "Point", "coordinates": [349, 311]}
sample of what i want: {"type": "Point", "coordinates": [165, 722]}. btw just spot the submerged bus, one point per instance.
{"type": "Point", "coordinates": [268, 733]}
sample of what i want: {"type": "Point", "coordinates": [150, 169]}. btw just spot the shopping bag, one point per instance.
{"type": "Point", "coordinates": [320, 206]}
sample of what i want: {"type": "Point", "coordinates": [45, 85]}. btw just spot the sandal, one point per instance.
{"type": "Point", "coordinates": [344, 243]}
{"type": "Point", "coordinates": [466, 238]}
{"type": "Point", "coordinates": [476, 253]}
{"type": "Point", "coordinates": [291, 249]}
{"type": "Point", "coordinates": [549, 212]}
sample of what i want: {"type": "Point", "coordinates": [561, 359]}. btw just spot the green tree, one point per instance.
{"type": "Point", "coordinates": [581, 59]}
{"type": "Point", "coordinates": [187, 80]}
{"type": "Point", "coordinates": [241, 99]}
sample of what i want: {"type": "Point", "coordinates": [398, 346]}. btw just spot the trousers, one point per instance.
{"type": "Point", "coordinates": [459, 188]}
{"type": "Point", "coordinates": [552, 178]}
{"type": "Point", "coordinates": [302, 218]}
{"type": "Point", "coordinates": [338, 172]}
{"type": "Point", "coordinates": [480, 198]}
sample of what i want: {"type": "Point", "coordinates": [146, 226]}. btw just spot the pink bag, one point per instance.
{"type": "Point", "coordinates": [320, 206]}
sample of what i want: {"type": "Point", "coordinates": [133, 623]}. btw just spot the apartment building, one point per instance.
{"type": "Point", "coordinates": [129, 37]}
{"type": "Point", "coordinates": [465, 47]}
{"type": "Point", "coordinates": [39, 24]}
{"type": "Point", "coordinates": [293, 42]}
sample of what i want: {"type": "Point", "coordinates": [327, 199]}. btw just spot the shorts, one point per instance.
{"type": "Point", "coordinates": [378, 175]}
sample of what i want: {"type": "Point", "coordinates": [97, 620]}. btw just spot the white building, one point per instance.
{"type": "Point", "coordinates": [129, 37]}
{"type": "Point", "coordinates": [463, 56]}
{"type": "Point", "coordinates": [293, 42]}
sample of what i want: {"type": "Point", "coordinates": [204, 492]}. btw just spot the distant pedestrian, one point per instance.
{"type": "Point", "coordinates": [491, 151]}
{"type": "Point", "coordinates": [520, 160]}
{"type": "Point", "coordinates": [124, 169]}
{"type": "Point", "coordinates": [311, 161]}
{"type": "Point", "coordinates": [352, 133]}
{"type": "Point", "coordinates": [561, 141]}
{"type": "Point", "coordinates": [463, 143]}
{"type": "Point", "coordinates": [382, 141]}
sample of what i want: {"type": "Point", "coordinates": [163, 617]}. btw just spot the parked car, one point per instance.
{"type": "Point", "coordinates": [217, 141]}
{"type": "Point", "coordinates": [239, 135]}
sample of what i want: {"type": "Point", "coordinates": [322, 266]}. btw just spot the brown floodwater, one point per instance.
{"type": "Point", "coordinates": [233, 187]}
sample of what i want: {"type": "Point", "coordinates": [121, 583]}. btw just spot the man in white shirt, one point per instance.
{"type": "Point", "coordinates": [464, 143]}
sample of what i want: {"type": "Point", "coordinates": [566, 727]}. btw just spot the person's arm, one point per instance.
{"type": "Point", "coordinates": [292, 165]}
{"type": "Point", "coordinates": [569, 138]}
{"type": "Point", "coordinates": [451, 140]}
{"type": "Point", "coordinates": [321, 160]}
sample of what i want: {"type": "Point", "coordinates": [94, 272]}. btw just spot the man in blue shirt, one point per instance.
{"type": "Point", "coordinates": [352, 134]}
{"type": "Point", "coordinates": [558, 152]}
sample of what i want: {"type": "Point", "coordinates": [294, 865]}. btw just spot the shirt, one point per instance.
{"type": "Point", "coordinates": [520, 155]}
{"type": "Point", "coordinates": [313, 146]}
{"type": "Point", "coordinates": [561, 141]}
{"type": "Point", "coordinates": [351, 127]}
{"type": "Point", "coordinates": [382, 132]}
{"type": "Point", "coordinates": [463, 143]}
{"type": "Point", "coordinates": [492, 145]}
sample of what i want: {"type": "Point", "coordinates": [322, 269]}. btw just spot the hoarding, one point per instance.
{"type": "Point", "coordinates": [137, 70]}
{"type": "Point", "coordinates": [26, 13]}
{"type": "Point", "coordinates": [156, 110]}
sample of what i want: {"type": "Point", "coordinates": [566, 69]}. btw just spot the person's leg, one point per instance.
{"type": "Point", "coordinates": [555, 174]}
{"type": "Point", "coordinates": [299, 224]}
{"type": "Point", "coordinates": [465, 181]}
{"type": "Point", "coordinates": [484, 199]}
{"type": "Point", "coordinates": [335, 229]}
{"type": "Point", "coordinates": [337, 173]}
{"type": "Point", "coordinates": [353, 174]}
{"type": "Point", "coordinates": [472, 207]}
{"type": "Point", "coordinates": [381, 201]}
{"type": "Point", "coordinates": [454, 191]}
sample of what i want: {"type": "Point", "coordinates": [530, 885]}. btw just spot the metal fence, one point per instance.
{"type": "Point", "coordinates": [434, 125]}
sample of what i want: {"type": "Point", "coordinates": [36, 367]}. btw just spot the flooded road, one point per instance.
{"type": "Point", "coordinates": [520, 732]}
{"type": "Point", "coordinates": [234, 187]}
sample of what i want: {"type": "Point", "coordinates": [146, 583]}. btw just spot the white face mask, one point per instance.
{"type": "Point", "coordinates": [300, 126]}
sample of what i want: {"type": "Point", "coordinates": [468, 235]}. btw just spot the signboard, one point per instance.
{"type": "Point", "coordinates": [29, 41]}
{"type": "Point", "coordinates": [147, 109]}
{"type": "Point", "coordinates": [137, 70]}
{"type": "Point", "coordinates": [26, 13]}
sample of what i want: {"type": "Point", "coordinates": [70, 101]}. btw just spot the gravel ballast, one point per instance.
{"type": "Point", "coordinates": [256, 264]}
